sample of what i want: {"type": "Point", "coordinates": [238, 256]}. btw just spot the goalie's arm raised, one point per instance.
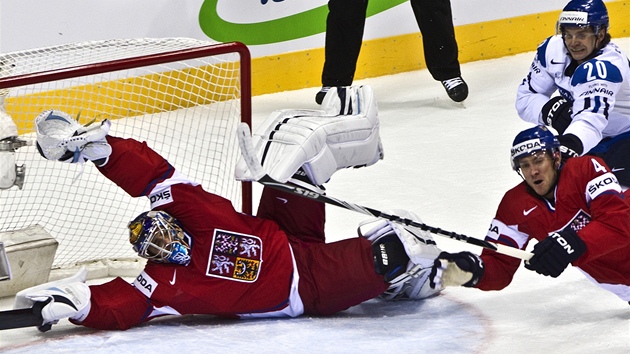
{"type": "Point", "coordinates": [131, 164]}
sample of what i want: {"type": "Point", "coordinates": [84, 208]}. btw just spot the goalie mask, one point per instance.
{"type": "Point", "coordinates": [159, 237]}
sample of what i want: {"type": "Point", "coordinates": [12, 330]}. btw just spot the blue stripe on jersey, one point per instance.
{"type": "Point", "coordinates": [508, 241]}
{"type": "Point", "coordinates": [601, 103]}
{"type": "Point", "coordinates": [540, 52]}
{"type": "Point", "coordinates": [597, 104]}
{"type": "Point", "coordinates": [167, 174]}
{"type": "Point", "coordinates": [606, 107]}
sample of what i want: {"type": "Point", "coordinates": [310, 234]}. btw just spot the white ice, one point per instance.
{"type": "Point", "coordinates": [447, 162]}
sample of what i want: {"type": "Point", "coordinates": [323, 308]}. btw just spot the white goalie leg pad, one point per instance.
{"type": "Point", "coordinates": [265, 139]}
{"type": "Point", "coordinates": [321, 142]}
{"type": "Point", "coordinates": [60, 137]}
{"type": "Point", "coordinates": [422, 250]}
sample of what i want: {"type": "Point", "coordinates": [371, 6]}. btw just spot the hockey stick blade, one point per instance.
{"type": "Point", "coordinates": [254, 165]}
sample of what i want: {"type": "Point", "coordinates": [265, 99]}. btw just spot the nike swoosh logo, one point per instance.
{"type": "Point", "coordinates": [282, 200]}
{"type": "Point", "coordinates": [526, 212]}
{"type": "Point", "coordinates": [172, 282]}
{"type": "Point", "coordinates": [615, 169]}
{"type": "Point", "coordinates": [556, 62]}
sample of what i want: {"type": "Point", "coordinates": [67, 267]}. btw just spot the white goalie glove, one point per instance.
{"type": "Point", "coordinates": [64, 298]}
{"type": "Point", "coordinates": [408, 273]}
{"type": "Point", "coordinates": [60, 137]}
{"type": "Point", "coordinates": [344, 134]}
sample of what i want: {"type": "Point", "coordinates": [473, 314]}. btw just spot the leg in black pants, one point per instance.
{"type": "Point", "coordinates": [435, 20]}
{"type": "Point", "coordinates": [344, 34]}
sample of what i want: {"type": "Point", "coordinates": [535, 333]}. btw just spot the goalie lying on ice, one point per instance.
{"type": "Point", "coordinates": [204, 257]}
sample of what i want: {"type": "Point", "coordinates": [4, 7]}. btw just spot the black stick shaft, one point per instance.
{"type": "Point", "coordinates": [270, 182]}
{"type": "Point", "coordinates": [20, 318]}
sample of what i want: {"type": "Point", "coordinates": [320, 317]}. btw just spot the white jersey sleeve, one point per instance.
{"type": "Point", "coordinates": [539, 84]}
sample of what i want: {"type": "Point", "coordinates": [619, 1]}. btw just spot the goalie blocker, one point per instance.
{"type": "Point", "coordinates": [345, 133]}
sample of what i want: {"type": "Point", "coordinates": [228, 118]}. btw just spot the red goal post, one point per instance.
{"type": "Point", "coordinates": [185, 97]}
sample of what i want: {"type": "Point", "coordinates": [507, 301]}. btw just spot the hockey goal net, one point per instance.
{"type": "Point", "coordinates": [184, 97]}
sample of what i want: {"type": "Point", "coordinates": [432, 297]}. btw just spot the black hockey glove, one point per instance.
{"type": "Point", "coordinates": [553, 254]}
{"type": "Point", "coordinates": [570, 146]}
{"type": "Point", "coordinates": [456, 269]}
{"type": "Point", "coordinates": [557, 113]}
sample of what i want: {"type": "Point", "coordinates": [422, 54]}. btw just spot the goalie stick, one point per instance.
{"type": "Point", "coordinates": [29, 317]}
{"type": "Point", "coordinates": [258, 173]}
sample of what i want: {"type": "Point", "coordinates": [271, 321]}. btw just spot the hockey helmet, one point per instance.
{"type": "Point", "coordinates": [159, 237]}
{"type": "Point", "coordinates": [583, 13]}
{"type": "Point", "coordinates": [532, 140]}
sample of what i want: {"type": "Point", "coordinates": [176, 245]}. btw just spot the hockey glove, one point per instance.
{"type": "Point", "coordinates": [557, 113]}
{"type": "Point", "coordinates": [570, 146]}
{"type": "Point", "coordinates": [71, 300]}
{"type": "Point", "coordinates": [60, 137]}
{"type": "Point", "coordinates": [553, 254]}
{"type": "Point", "coordinates": [456, 269]}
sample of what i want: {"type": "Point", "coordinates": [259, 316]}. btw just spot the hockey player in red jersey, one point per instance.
{"type": "Point", "coordinates": [575, 209]}
{"type": "Point", "coordinates": [204, 257]}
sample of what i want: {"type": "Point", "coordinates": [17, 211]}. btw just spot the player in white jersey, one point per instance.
{"type": "Point", "coordinates": [592, 78]}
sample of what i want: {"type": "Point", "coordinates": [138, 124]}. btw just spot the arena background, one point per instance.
{"type": "Point", "coordinates": [286, 37]}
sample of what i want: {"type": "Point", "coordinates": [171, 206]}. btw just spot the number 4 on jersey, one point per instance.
{"type": "Point", "coordinates": [598, 167]}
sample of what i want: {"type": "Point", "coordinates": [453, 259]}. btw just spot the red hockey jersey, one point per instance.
{"type": "Point", "coordinates": [201, 286]}
{"type": "Point", "coordinates": [241, 265]}
{"type": "Point", "coordinates": [588, 199]}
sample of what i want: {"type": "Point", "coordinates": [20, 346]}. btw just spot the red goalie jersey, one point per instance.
{"type": "Point", "coordinates": [587, 199]}
{"type": "Point", "coordinates": [241, 266]}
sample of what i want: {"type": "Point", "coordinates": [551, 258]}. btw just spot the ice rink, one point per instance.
{"type": "Point", "coordinates": [447, 162]}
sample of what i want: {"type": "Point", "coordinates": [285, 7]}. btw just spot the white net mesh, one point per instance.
{"type": "Point", "coordinates": [186, 109]}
